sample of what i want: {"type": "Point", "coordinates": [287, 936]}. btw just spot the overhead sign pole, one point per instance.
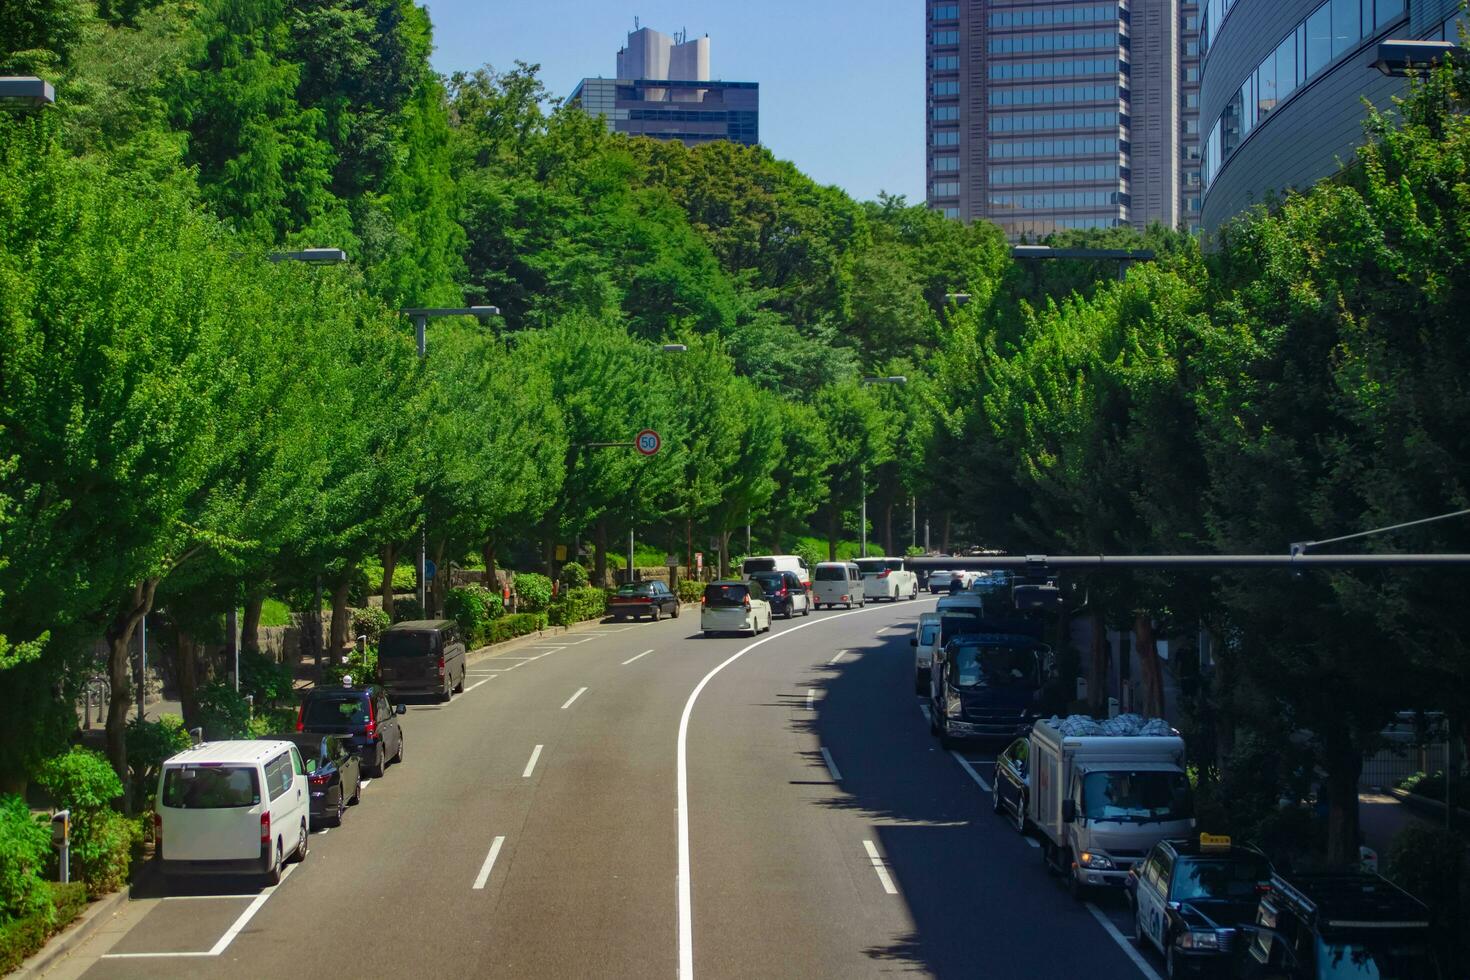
{"type": "Point", "coordinates": [1186, 562]}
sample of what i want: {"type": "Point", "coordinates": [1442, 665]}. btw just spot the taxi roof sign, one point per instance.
{"type": "Point", "coordinates": [1214, 842]}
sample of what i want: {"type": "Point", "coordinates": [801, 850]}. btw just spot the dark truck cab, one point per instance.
{"type": "Point", "coordinates": [424, 656]}
{"type": "Point", "coordinates": [987, 683]}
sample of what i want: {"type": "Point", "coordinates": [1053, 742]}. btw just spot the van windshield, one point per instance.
{"type": "Point", "coordinates": [210, 787]}
{"type": "Point", "coordinates": [953, 625]}
{"type": "Point", "coordinates": [1136, 797]}
{"type": "Point", "coordinates": [831, 573]}
{"type": "Point", "coordinates": [405, 644]}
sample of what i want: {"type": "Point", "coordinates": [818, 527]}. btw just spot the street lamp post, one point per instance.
{"type": "Point", "coordinates": [421, 317]}
{"type": "Point", "coordinates": [1399, 59]}
{"type": "Point", "coordinates": [26, 92]}
{"type": "Point", "coordinates": [892, 379]}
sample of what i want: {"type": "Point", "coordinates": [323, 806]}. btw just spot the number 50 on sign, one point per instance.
{"type": "Point", "coordinates": [647, 442]}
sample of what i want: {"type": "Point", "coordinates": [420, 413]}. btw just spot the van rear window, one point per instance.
{"type": "Point", "coordinates": [831, 573]}
{"type": "Point", "coordinates": [405, 644]}
{"type": "Point", "coordinates": [758, 565]}
{"type": "Point", "coordinates": [351, 709]}
{"type": "Point", "coordinates": [725, 595]}
{"type": "Point", "coordinates": [210, 787]}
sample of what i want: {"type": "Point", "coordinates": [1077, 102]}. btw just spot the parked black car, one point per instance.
{"type": "Point", "coordinates": [1012, 783]}
{"type": "Point", "coordinates": [638, 599]}
{"type": "Point", "coordinates": [1340, 925]}
{"type": "Point", "coordinates": [333, 771]}
{"type": "Point", "coordinates": [365, 718]}
{"type": "Point", "coordinates": [784, 592]}
{"type": "Point", "coordinates": [1192, 898]}
{"type": "Point", "coordinates": [422, 656]}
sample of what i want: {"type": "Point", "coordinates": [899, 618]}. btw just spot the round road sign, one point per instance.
{"type": "Point", "coordinates": [648, 442]}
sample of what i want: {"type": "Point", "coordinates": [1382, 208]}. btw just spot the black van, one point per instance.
{"type": "Point", "coordinates": [422, 656]}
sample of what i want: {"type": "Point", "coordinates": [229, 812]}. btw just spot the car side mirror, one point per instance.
{"type": "Point", "coordinates": [913, 641]}
{"type": "Point", "coordinates": [1069, 811]}
{"type": "Point", "coordinates": [400, 709]}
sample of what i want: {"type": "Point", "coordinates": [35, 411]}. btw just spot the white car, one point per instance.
{"type": "Point", "coordinates": [836, 582]}
{"type": "Point", "coordinates": [924, 641]}
{"type": "Point", "coordinates": [939, 581]}
{"type": "Point", "coordinates": [240, 807]}
{"type": "Point", "coordinates": [734, 607]}
{"type": "Point", "coordinates": [886, 578]}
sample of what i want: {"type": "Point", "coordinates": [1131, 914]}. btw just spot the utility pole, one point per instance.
{"type": "Point", "coordinates": [142, 667]}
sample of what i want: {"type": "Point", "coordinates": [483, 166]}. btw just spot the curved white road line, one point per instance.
{"type": "Point", "coordinates": [686, 904]}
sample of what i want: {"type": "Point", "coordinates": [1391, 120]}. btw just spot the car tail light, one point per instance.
{"type": "Point", "coordinates": [747, 602]}
{"type": "Point", "coordinates": [300, 709]}
{"type": "Point", "coordinates": [265, 829]}
{"type": "Point", "coordinates": [158, 834]}
{"type": "Point", "coordinates": [441, 666]}
{"type": "Point", "coordinates": [884, 573]}
{"type": "Point", "coordinates": [371, 731]}
{"type": "Point", "coordinates": [321, 780]}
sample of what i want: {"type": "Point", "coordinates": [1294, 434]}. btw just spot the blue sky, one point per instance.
{"type": "Point", "coordinates": [842, 81]}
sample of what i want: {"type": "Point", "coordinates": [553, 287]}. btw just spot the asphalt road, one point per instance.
{"type": "Point", "coordinates": [534, 830]}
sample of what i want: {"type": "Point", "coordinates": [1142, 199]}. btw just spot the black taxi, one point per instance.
{"type": "Point", "coordinates": [1192, 898]}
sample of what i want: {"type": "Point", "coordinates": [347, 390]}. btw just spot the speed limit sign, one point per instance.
{"type": "Point", "coordinates": [648, 442]}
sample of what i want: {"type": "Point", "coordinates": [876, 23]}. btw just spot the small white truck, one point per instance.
{"type": "Point", "coordinates": [1102, 793]}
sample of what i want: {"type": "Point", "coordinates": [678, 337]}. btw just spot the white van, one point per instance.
{"type": "Point", "coordinates": [232, 808]}
{"type": "Point", "coordinates": [886, 578]}
{"type": "Point", "coordinates": [924, 641]}
{"type": "Point", "coordinates": [776, 563]}
{"type": "Point", "coordinates": [837, 582]}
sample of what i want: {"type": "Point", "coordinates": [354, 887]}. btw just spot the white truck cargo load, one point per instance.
{"type": "Point", "coordinates": [1103, 792]}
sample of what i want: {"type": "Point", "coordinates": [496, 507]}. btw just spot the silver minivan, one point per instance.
{"type": "Point", "coordinates": [238, 807]}
{"type": "Point", "coordinates": [837, 583]}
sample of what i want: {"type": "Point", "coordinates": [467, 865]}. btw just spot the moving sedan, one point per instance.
{"type": "Point", "coordinates": [730, 607]}
{"type": "Point", "coordinates": [639, 599]}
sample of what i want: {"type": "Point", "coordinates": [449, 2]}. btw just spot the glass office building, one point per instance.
{"type": "Point", "coordinates": [1045, 115]}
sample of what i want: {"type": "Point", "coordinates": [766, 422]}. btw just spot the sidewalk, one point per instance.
{"type": "Point", "coordinates": [1381, 817]}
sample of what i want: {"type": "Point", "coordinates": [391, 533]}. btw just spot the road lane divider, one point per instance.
{"type": "Point", "coordinates": [811, 693]}
{"type": "Point", "coordinates": [831, 766]}
{"type": "Point", "coordinates": [631, 659]}
{"type": "Point", "coordinates": [965, 763]}
{"type": "Point", "coordinates": [478, 683]}
{"type": "Point", "coordinates": [685, 881]}
{"type": "Point", "coordinates": [580, 692]}
{"type": "Point", "coordinates": [879, 866]}
{"type": "Point", "coordinates": [223, 943]}
{"type": "Point", "coordinates": [531, 766]}
{"type": "Point", "coordinates": [1123, 943]}
{"type": "Point", "coordinates": [836, 657]}
{"type": "Point", "coordinates": [484, 874]}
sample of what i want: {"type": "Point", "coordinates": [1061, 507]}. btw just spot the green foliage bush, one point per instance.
{"type": "Point", "coordinates": [573, 576]}
{"type": "Point", "coordinates": [405, 610]}
{"type": "Point", "coordinates": [79, 780]}
{"type": "Point", "coordinates": [25, 849]}
{"type": "Point", "coordinates": [264, 679]}
{"type": "Point", "coordinates": [1428, 863]}
{"type": "Point", "coordinates": [1431, 786]}
{"type": "Point", "coordinates": [149, 744]}
{"type": "Point", "coordinates": [516, 624]}
{"type": "Point", "coordinates": [473, 607]}
{"type": "Point", "coordinates": [360, 665]}
{"type": "Point", "coordinates": [370, 621]}
{"type": "Point", "coordinates": [272, 721]}
{"type": "Point", "coordinates": [690, 590]}
{"type": "Point", "coordinates": [810, 551]}
{"type": "Point", "coordinates": [223, 712]}
{"type": "Point", "coordinates": [533, 590]}
{"type": "Point", "coordinates": [83, 782]}
{"type": "Point", "coordinates": [24, 936]}
{"type": "Point", "coordinates": [577, 605]}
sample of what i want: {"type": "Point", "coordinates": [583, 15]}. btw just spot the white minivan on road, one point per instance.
{"type": "Point", "coordinates": [238, 807]}
{"type": "Point", "coordinates": [887, 578]}
{"type": "Point", "coordinates": [836, 582]}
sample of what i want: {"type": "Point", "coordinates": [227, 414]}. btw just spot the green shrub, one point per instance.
{"type": "Point", "coordinates": [25, 849]}
{"type": "Point", "coordinates": [407, 609]}
{"type": "Point", "coordinates": [534, 591]}
{"type": "Point", "coordinates": [149, 744]}
{"type": "Point", "coordinates": [370, 622]}
{"type": "Point", "coordinates": [264, 679]}
{"type": "Point", "coordinates": [24, 936]}
{"type": "Point", "coordinates": [102, 845]}
{"type": "Point", "coordinates": [360, 665]}
{"type": "Point", "coordinates": [691, 590]}
{"type": "Point", "coordinates": [1427, 862]}
{"type": "Point", "coordinates": [576, 605]}
{"type": "Point", "coordinates": [573, 576]}
{"type": "Point", "coordinates": [473, 607]}
{"type": "Point", "coordinates": [79, 780]}
{"type": "Point", "coordinates": [518, 624]}
{"type": "Point", "coordinates": [810, 552]}
{"type": "Point", "coordinates": [223, 712]}
{"type": "Point", "coordinates": [272, 721]}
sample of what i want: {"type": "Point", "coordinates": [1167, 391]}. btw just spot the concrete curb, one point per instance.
{"type": "Point", "coordinates": [1426, 807]}
{"type": "Point", "coordinates": [79, 931]}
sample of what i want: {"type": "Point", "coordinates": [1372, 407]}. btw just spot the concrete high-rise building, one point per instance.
{"type": "Point", "coordinates": [1043, 115]}
{"type": "Point", "coordinates": [663, 90]}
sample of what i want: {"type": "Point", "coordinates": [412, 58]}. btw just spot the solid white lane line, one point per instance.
{"type": "Point", "coordinates": [836, 657]}
{"type": "Point", "coordinates": [531, 766]}
{"type": "Point", "coordinates": [879, 867]}
{"type": "Point", "coordinates": [574, 697]}
{"type": "Point", "coordinates": [925, 709]}
{"type": "Point", "coordinates": [831, 766]}
{"type": "Point", "coordinates": [686, 885]}
{"type": "Point", "coordinates": [811, 692]}
{"type": "Point", "coordinates": [1123, 942]}
{"type": "Point", "coordinates": [478, 683]}
{"type": "Point", "coordinates": [148, 956]}
{"type": "Point", "coordinates": [249, 913]}
{"type": "Point", "coordinates": [484, 874]}
{"type": "Point", "coordinates": [971, 770]}
{"type": "Point", "coordinates": [1032, 841]}
{"type": "Point", "coordinates": [631, 659]}
{"type": "Point", "coordinates": [195, 898]}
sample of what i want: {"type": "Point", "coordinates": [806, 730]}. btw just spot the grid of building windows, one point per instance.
{"type": "Point", "coordinates": [1050, 200]}
{"type": "Point", "coordinates": [1051, 94]}
{"type": "Point", "coordinates": [1026, 122]}
{"type": "Point", "coordinates": [1044, 226]}
{"type": "Point", "coordinates": [947, 137]}
{"type": "Point", "coordinates": [946, 62]}
{"type": "Point", "coordinates": [1072, 146]}
{"type": "Point", "coordinates": [946, 37]}
{"type": "Point", "coordinates": [1048, 16]}
{"type": "Point", "coordinates": [1053, 175]}
{"type": "Point", "coordinates": [1327, 34]}
{"type": "Point", "coordinates": [1026, 43]}
{"type": "Point", "coordinates": [946, 188]}
{"type": "Point", "coordinates": [945, 11]}
{"type": "Point", "coordinates": [1053, 69]}
{"type": "Point", "coordinates": [946, 163]}
{"type": "Point", "coordinates": [947, 88]}
{"type": "Point", "coordinates": [946, 113]}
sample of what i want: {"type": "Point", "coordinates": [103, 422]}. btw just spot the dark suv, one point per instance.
{"type": "Point", "coordinates": [422, 656]}
{"type": "Point", "coordinates": [362, 715]}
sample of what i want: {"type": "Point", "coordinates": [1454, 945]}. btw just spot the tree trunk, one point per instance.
{"type": "Point", "coordinates": [341, 621]}
{"type": "Point", "coordinates": [1149, 665]}
{"type": "Point", "coordinates": [599, 552]}
{"type": "Point", "coordinates": [1097, 682]}
{"type": "Point", "coordinates": [250, 622]}
{"type": "Point", "coordinates": [487, 552]}
{"type": "Point", "coordinates": [389, 555]}
{"type": "Point", "coordinates": [888, 529]}
{"type": "Point", "coordinates": [1344, 764]}
{"type": "Point", "coordinates": [724, 554]}
{"type": "Point", "coordinates": [945, 546]}
{"type": "Point", "coordinates": [834, 530]}
{"type": "Point", "coordinates": [186, 669]}
{"type": "Point", "coordinates": [119, 635]}
{"type": "Point", "coordinates": [778, 531]}
{"type": "Point", "coordinates": [441, 582]}
{"type": "Point", "coordinates": [688, 542]}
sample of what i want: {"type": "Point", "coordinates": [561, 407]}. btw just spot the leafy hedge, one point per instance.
{"type": "Point", "coordinates": [25, 849]}
{"type": "Point", "coordinates": [268, 681]}
{"type": "Point", "coordinates": [149, 744]}
{"type": "Point", "coordinates": [362, 665]}
{"type": "Point", "coordinates": [534, 591]}
{"type": "Point", "coordinates": [576, 605]}
{"type": "Point", "coordinates": [474, 608]}
{"type": "Point", "coordinates": [223, 711]}
{"type": "Point", "coordinates": [370, 622]}
{"type": "Point", "coordinates": [102, 840]}
{"type": "Point", "coordinates": [518, 624]}
{"type": "Point", "coordinates": [690, 590]}
{"type": "Point", "coordinates": [23, 937]}
{"type": "Point", "coordinates": [574, 575]}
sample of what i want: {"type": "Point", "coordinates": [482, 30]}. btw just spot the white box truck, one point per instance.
{"type": "Point", "coordinates": [1101, 801]}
